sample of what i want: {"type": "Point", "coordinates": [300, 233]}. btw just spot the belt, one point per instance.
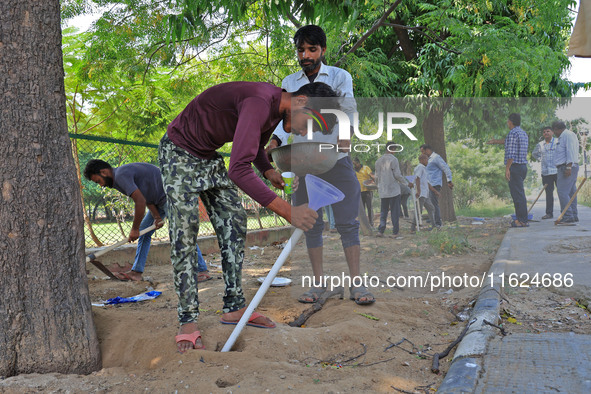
{"type": "Point", "coordinates": [564, 165]}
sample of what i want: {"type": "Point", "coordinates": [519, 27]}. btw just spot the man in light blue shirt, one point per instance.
{"type": "Point", "coordinates": [435, 169]}
{"type": "Point", "coordinates": [544, 151]}
{"type": "Point", "coordinates": [566, 159]}
{"type": "Point", "coordinates": [310, 42]}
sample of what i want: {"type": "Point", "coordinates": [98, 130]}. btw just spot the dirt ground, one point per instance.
{"type": "Point", "coordinates": [384, 347]}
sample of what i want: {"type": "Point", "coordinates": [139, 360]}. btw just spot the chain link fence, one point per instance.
{"type": "Point", "coordinates": [108, 214]}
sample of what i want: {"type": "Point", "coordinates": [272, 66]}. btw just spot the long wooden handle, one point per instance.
{"type": "Point", "coordinates": [570, 202]}
{"type": "Point", "coordinates": [534, 203]}
{"type": "Point", "coordinates": [101, 252]}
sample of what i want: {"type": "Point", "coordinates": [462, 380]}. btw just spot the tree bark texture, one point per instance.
{"type": "Point", "coordinates": [45, 314]}
{"type": "Point", "coordinates": [434, 136]}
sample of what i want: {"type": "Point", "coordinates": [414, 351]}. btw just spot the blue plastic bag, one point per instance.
{"type": "Point", "coordinates": [150, 295]}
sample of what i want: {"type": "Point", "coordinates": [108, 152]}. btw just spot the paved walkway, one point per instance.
{"type": "Point", "coordinates": [484, 362]}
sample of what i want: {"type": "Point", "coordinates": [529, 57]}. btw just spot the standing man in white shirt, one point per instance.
{"type": "Point", "coordinates": [422, 191]}
{"type": "Point", "coordinates": [567, 163]}
{"type": "Point", "coordinates": [544, 151]}
{"type": "Point", "coordinates": [389, 178]}
{"type": "Point", "coordinates": [310, 43]}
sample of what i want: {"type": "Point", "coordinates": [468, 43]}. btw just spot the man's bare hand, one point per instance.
{"type": "Point", "coordinates": [272, 145]}
{"type": "Point", "coordinates": [507, 174]}
{"type": "Point", "coordinates": [133, 235]}
{"type": "Point", "coordinates": [303, 217]}
{"type": "Point", "coordinates": [158, 222]}
{"type": "Point", "coordinates": [275, 178]}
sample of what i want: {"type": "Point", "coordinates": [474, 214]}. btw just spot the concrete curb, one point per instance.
{"type": "Point", "coordinates": [466, 365]}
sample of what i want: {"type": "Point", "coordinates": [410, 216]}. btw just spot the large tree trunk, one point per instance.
{"type": "Point", "coordinates": [434, 136]}
{"type": "Point", "coordinates": [46, 320]}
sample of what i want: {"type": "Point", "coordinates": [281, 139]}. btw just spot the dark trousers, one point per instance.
{"type": "Point", "coordinates": [391, 204]}
{"type": "Point", "coordinates": [549, 180]}
{"type": "Point", "coordinates": [366, 198]}
{"type": "Point", "coordinates": [518, 173]}
{"type": "Point", "coordinates": [404, 205]}
{"type": "Point", "coordinates": [342, 176]}
{"type": "Point", "coordinates": [435, 201]}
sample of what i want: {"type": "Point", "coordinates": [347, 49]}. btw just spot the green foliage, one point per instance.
{"type": "Point", "coordinates": [478, 173]}
{"type": "Point", "coordinates": [449, 241]}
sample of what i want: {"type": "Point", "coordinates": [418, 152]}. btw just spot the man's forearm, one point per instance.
{"type": "Point", "coordinates": [509, 162]}
{"type": "Point", "coordinates": [140, 210]}
{"type": "Point", "coordinates": [281, 208]}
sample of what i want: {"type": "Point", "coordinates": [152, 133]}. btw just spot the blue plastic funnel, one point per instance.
{"type": "Point", "coordinates": [321, 193]}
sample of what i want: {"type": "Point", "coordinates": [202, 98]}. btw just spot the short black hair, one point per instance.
{"type": "Point", "coordinates": [558, 125]}
{"type": "Point", "coordinates": [389, 144]}
{"type": "Point", "coordinates": [546, 128]}
{"type": "Point", "coordinates": [320, 96]}
{"type": "Point", "coordinates": [425, 147]}
{"type": "Point", "coordinates": [312, 34]}
{"type": "Point", "coordinates": [515, 119]}
{"type": "Point", "coordinates": [94, 167]}
{"type": "Point", "coordinates": [356, 160]}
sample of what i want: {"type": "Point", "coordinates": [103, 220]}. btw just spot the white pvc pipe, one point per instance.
{"type": "Point", "coordinates": [263, 289]}
{"type": "Point", "coordinates": [101, 252]}
{"type": "Point", "coordinates": [417, 207]}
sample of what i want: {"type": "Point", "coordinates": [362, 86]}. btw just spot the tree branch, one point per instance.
{"type": "Point", "coordinates": [376, 25]}
{"type": "Point", "coordinates": [419, 30]}
{"type": "Point", "coordinates": [293, 20]}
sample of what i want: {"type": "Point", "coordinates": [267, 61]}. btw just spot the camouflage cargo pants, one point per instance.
{"type": "Point", "coordinates": [185, 179]}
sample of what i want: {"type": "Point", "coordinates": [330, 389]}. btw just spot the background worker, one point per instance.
{"type": "Point", "coordinates": [364, 173]}
{"type": "Point", "coordinates": [310, 43]}
{"type": "Point", "coordinates": [567, 164]}
{"type": "Point", "coordinates": [422, 192]}
{"type": "Point", "coordinates": [143, 183]}
{"type": "Point", "coordinates": [516, 145]}
{"type": "Point", "coordinates": [436, 167]}
{"type": "Point", "coordinates": [544, 151]}
{"type": "Point", "coordinates": [389, 178]}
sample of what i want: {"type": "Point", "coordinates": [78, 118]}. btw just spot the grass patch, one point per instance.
{"type": "Point", "coordinates": [449, 241]}
{"type": "Point", "coordinates": [493, 207]}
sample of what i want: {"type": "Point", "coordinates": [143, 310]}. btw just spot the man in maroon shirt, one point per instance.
{"type": "Point", "coordinates": [246, 114]}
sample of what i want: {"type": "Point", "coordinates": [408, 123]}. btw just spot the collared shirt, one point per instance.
{"type": "Point", "coordinates": [567, 149]}
{"type": "Point", "coordinates": [436, 167]}
{"type": "Point", "coordinates": [544, 151]}
{"type": "Point", "coordinates": [387, 175]}
{"type": "Point", "coordinates": [516, 146]}
{"type": "Point", "coordinates": [364, 174]}
{"type": "Point", "coordinates": [421, 173]}
{"type": "Point", "coordinates": [340, 81]}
